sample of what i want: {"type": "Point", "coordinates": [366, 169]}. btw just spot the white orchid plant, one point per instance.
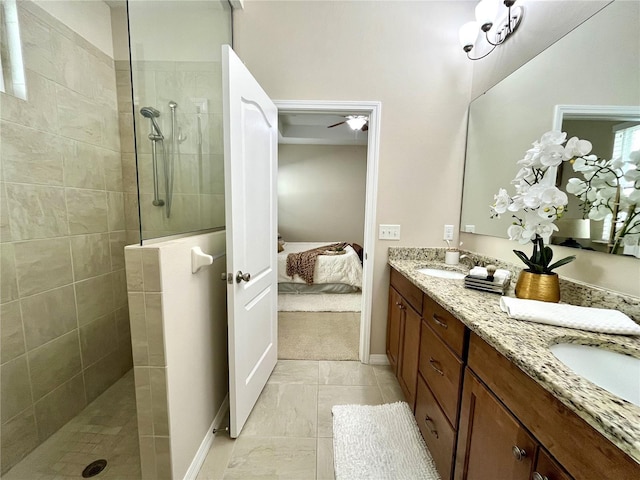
{"type": "Point", "coordinates": [610, 187]}
{"type": "Point", "coordinates": [537, 203]}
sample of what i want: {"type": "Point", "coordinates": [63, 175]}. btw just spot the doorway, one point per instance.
{"type": "Point", "coordinates": [372, 111]}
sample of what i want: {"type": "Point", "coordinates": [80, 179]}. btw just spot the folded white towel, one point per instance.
{"type": "Point", "coordinates": [500, 275]}
{"type": "Point", "coordinates": [563, 315]}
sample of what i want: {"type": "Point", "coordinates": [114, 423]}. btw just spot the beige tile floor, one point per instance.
{"type": "Point", "coordinates": [107, 428]}
{"type": "Point", "coordinates": [289, 432]}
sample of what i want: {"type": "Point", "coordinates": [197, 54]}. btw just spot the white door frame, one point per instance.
{"type": "Point", "coordinates": [373, 110]}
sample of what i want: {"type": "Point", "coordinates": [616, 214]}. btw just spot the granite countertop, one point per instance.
{"type": "Point", "coordinates": [527, 344]}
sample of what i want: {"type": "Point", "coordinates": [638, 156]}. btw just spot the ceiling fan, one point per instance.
{"type": "Point", "coordinates": [355, 122]}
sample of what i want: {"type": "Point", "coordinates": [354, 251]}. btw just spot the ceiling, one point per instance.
{"type": "Point", "coordinates": [310, 128]}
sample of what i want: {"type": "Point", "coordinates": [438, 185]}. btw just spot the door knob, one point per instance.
{"type": "Point", "coordinates": [242, 276]}
{"type": "Point", "coordinates": [539, 476]}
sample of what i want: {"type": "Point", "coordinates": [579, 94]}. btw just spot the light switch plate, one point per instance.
{"type": "Point", "coordinates": [389, 232]}
{"type": "Point", "coordinates": [470, 228]}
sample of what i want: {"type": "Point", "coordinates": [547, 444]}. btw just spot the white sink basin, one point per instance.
{"type": "Point", "coordinates": [615, 372]}
{"type": "Point", "coordinates": [436, 272]}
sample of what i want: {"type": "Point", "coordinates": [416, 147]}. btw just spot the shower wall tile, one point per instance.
{"type": "Point", "coordinates": [60, 406]}
{"type": "Point", "coordinates": [8, 279]}
{"type": "Point", "coordinates": [18, 436]}
{"type": "Point", "coordinates": [36, 211]}
{"type": "Point", "coordinates": [115, 204]}
{"type": "Point", "coordinates": [104, 86]}
{"type": "Point", "coordinates": [70, 64]}
{"type": "Point", "coordinates": [155, 331]}
{"type": "Point", "coordinates": [94, 298]}
{"type": "Point", "coordinates": [5, 224]}
{"type": "Point", "coordinates": [111, 128]}
{"type": "Point", "coordinates": [112, 165]}
{"type": "Point", "coordinates": [48, 315]}
{"type": "Point", "coordinates": [133, 262]}
{"type": "Point", "coordinates": [83, 167]}
{"type": "Point", "coordinates": [125, 122]}
{"type": "Point", "coordinates": [151, 269]}
{"type": "Point", "coordinates": [91, 255]}
{"type": "Point", "coordinates": [139, 342]}
{"type": "Point", "coordinates": [117, 242]}
{"type": "Point", "coordinates": [40, 111]}
{"type": "Point", "coordinates": [88, 211]}
{"type": "Point", "coordinates": [98, 339]}
{"type": "Point", "coordinates": [163, 458]}
{"type": "Point", "coordinates": [42, 265]}
{"type": "Point", "coordinates": [129, 182]}
{"type": "Point", "coordinates": [105, 372]}
{"type": "Point", "coordinates": [36, 45]}
{"type": "Point", "coordinates": [148, 458]}
{"type": "Point", "coordinates": [144, 408]}
{"type": "Point", "coordinates": [14, 378]}
{"type": "Point", "coordinates": [123, 328]}
{"type": "Point", "coordinates": [54, 363]}
{"type": "Point", "coordinates": [11, 333]}
{"type": "Point", "coordinates": [123, 86]}
{"type": "Point", "coordinates": [31, 156]}
{"type": "Point", "coordinates": [79, 118]}
{"type": "Point", "coordinates": [158, 380]}
{"type": "Point", "coordinates": [119, 285]}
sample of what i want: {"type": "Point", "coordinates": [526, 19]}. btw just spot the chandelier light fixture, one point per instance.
{"type": "Point", "coordinates": [492, 20]}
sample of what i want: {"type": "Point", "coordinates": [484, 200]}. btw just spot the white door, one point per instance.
{"type": "Point", "coordinates": [250, 169]}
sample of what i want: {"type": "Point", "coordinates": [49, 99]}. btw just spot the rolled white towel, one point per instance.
{"type": "Point", "coordinates": [572, 316]}
{"type": "Point", "coordinates": [500, 275]}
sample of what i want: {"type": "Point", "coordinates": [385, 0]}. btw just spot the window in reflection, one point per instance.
{"type": "Point", "coordinates": [12, 78]}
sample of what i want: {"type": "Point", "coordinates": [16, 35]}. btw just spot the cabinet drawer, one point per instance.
{"type": "Point", "coordinates": [547, 468]}
{"type": "Point", "coordinates": [448, 327]}
{"type": "Point", "coordinates": [411, 293]}
{"type": "Point", "coordinates": [438, 434]}
{"type": "Point", "coordinates": [442, 371]}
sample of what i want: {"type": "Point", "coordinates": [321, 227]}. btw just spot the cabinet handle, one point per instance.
{"type": "Point", "coordinates": [439, 321]}
{"type": "Point", "coordinates": [432, 363]}
{"type": "Point", "coordinates": [539, 476]}
{"type": "Point", "coordinates": [431, 425]}
{"type": "Point", "coordinates": [518, 453]}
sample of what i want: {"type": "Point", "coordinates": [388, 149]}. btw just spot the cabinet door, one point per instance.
{"type": "Point", "coordinates": [492, 444]}
{"type": "Point", "coordinates": [394, 328]}
{"type": "Point", "coordinates": [547, 468]}
{"type": "Point", "coordinates": [409, 352]}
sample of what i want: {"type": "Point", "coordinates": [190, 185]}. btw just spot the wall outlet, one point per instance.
{"type": "Point", "coordinates": [389, 232]}
{"type": "Point", "coordinates": [448, 232]}
{"type": "Point", "coordinates": [470, 228]}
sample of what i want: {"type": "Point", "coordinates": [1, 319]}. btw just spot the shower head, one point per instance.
{"type": "Point", "coordinates": [151, 113]}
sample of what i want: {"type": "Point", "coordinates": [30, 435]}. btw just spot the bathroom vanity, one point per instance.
{"type": "Point", "coordinates": [489, 397]}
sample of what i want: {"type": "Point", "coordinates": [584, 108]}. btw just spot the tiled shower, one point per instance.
{"type": "Point", "coordinates": [69, 205]}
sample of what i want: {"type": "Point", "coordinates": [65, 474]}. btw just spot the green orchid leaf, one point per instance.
{"type": "Point", "coordinates": [559, 263]}
{"type": "Point", "coordinates": [522, 256]}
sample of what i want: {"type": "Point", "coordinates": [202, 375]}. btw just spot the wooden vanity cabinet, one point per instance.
{"type": "Point", "coordinates": [403, 333]}
{"type": "Point", "coordinates": [546, 468]}
{"type": "Point", "coordinates": [492, 443]}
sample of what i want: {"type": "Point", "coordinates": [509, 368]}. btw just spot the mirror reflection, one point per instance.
{"type": "Point", "coordinates": [594, 65]}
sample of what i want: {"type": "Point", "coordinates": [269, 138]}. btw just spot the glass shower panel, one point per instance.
{"type": "Point", "coordinates": [177, 96]}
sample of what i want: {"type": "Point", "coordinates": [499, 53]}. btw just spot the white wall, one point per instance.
{"type": "Point", "coordinates": [404, 54]}
{"type": "Point", "coordinates": [195, 333]}
{"type": "Point", "coordinates": [89, 18]}
{"type": "Point", "coordinates": [321, 192]}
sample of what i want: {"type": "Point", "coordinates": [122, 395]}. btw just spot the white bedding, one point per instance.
{"type": "Point", "coordinates": [344, 268]}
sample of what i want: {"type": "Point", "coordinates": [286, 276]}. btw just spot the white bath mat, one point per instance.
{"type": "Point", "coordinates": [378, 443]}
{"type": "Point", "coordinates": [319, 302]}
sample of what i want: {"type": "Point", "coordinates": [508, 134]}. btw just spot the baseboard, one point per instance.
{"type": "Point", "coordinates": [378, 359]}
{"type": "Point", "coordinates": [205, 446]}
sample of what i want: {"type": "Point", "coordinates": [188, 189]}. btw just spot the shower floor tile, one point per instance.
{"type": "Point", "coordinates": [106, 429]}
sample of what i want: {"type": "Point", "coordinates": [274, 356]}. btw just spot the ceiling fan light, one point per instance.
{"type": "Point", "coordinates": [356, 123]}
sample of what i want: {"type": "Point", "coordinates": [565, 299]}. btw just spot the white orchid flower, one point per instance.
{"type": "Point", "coordinates": [551, 155]}
{"type": "Point", "coordinates": [515, 232]}
{"type": "Point", "coordinates": [634, 158]}
{"type": "Point", "coordinates": [553, 137]}
{"type": "Point", "coordinates": [576, 148]}
{"type": "Point", "coordinates": [575, 186]}
{"type": "Point", "coordinates": [502, 201]}
{"type": "Point", "coordinates": [598, 212]}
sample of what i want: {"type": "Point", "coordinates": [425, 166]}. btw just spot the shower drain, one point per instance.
{"type": "Point", "coordinates": [94, 468]}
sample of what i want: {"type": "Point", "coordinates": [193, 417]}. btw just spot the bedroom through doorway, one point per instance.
{"type": "Point", "coordinates": [322, 199]}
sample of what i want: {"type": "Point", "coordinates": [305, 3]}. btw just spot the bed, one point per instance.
{"type": "Point", "coordinates": [332, 274]}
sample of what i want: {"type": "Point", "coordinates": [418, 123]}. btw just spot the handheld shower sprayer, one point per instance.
{"type": "Point", "coordinates": [151, 113]}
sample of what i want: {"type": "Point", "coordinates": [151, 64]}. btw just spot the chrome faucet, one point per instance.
{"type": "Point", "coordinates": [473, 261]}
